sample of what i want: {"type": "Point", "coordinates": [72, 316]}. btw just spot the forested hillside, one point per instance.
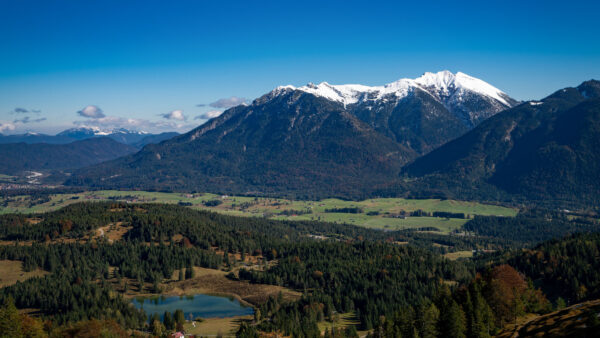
{"type": "Point", "coordinates": [18, 157]}
{"type": "Point", "coordinates": [539, 152]}
{"type": "Point", "coordinates": [389, 286]}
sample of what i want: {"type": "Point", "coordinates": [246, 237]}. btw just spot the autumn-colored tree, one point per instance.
{"type": "Point", "coordinates": [504, 291]}
{"type": "Point", "coordinates": [65, 225]}
{"type": "Point", "coordinates": [32, 327]}
{"type": "Point", "coordinates": [95, 329]}
{"type": "Point", "coordinates": [10, 321]}
{"type": "Point", "coordinates": [187, 243]}
{"type": "Point", "coordinates": [157, 328]}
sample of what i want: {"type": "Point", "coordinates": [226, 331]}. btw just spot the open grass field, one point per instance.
{"type": "Point", "coordinates": [342, 321]}
{"type": "Point", "coordinates": [459, 254]}
{"type": "Point", "coordinates": [379, 213]}
{"type": "Point", "coordinates": [12, 271]}
{"type": "Point", "coordinates": [224, 327]}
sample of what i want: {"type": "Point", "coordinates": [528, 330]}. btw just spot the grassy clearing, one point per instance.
{"type": "Point", "coordinates": [459, 254]}
{"type": "Point", "coordinates": [209, 281]}
{"type": "Point", "coordinates": [376, 213]}
{"type": "Point", "coordinates": [342, 321]}
{"type": "Point", "coordinates": [12, 271]}
{"type": "Point", "coordinates": [225, 327]}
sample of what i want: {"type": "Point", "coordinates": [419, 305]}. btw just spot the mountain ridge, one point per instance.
{"type": "Point", "coordinates": [125, 136]}
{"type": "Point", "coordinates": [292, 141]}
{"type": "Point", "coordinates": [19, 157]}
{"type": "Point", "coordinates": [537, 150]}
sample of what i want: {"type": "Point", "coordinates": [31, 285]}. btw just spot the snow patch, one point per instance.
{"type": "Point", "coordinates": [438, 84]}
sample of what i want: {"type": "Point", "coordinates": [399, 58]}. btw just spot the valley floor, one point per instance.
{"type": "Point", "coordinates": [377, 213]}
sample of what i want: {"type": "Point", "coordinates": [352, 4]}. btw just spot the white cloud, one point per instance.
{"type": "Point", "coordinates": [174, 115]}
{"type": "Point", "coordinates": [114, 122]}
{"type": "Point", "coordinates": [229, 102]}
{"type": "Point", "coordinates": [208, 115]}
{"type": "Point", "coordinates": [92, 112]}
{"type": "Point", "coordinates": [7, 127]}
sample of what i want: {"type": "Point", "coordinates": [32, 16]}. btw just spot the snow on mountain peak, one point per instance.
{"type": "Point", "coordinates": [440, 83]}
{"type": "Point", "coordinates": [347, 94]}
{"type": "Point", "coordinates": [97, 131]}
{"type": "Point", "coordinates": [442, 80]}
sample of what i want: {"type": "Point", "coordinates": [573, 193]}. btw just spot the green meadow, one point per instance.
{"type": "Point", "coordinates": [378, 213]}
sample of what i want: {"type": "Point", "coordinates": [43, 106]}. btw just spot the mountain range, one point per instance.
{"type": "Point", "coordinates": [19, 157]}
{"type": "Point", "coordinates": [71, 149]}
{"type": "Point", "coordinates": [137, 139]}
{"type": "Point", "coordinates": [440, 135]}
{"type": "Point", "coordinates": [311, 141]}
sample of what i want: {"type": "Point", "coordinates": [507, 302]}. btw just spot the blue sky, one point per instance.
{"type": "Point", "coordinates": [149, 64]}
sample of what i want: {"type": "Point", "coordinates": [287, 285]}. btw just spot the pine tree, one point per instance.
{"type": "Point", "coordinates": [428, 321]}
{"type": "Point", "coordinates": [453, 321]}
{"type": "Point", "coordinates": [10, 323]}
{"type": "Point", "coordinates": [168, 321]}
{"type": "Point", "coordinates": [482, 318]}
{"type": "Point", "coordinates": [179, 317]}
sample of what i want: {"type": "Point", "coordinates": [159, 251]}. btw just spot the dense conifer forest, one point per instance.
{"type": "Point", "coordinates": [396, 283]}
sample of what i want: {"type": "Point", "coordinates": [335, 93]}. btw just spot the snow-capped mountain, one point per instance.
{"type": "Point", "coordinates": [455, 91]}
{"type": "Point", "coordinates": [119, 134]}
{"type": "Point", "coordinates": [315, 139]}
{"type": "Point", "coordinates": [421, 113]}
{"type": "Point", "coordinates": [87, 132]}
{"type": "Point", "coordinates": [137, 139]}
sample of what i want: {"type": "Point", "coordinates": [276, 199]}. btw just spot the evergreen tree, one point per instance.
{"type": "Point", "coordinates": [428, 321]}
{"type": "Point", "coordinates": [10, 322]}
{"type": "Point", "coordinates": [453, 321]}
{"type": "Point", "coordinates": [179, 317]}
{"type": "Point", "coordinates": [168, 321]}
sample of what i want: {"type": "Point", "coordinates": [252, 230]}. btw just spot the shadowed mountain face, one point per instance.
{"type": "Point", "coordinates": [538, 150]}
{"type": "Point", "coordinates": [418, 121]}
{"type": "Point", "coordinates": [421, 113]}
{"type": "Point", "coordinates": [18, 157]}
{"type": "Point", "coordinates": [288, 143]}
{"type": "Point", "coordinates": [313, 141]}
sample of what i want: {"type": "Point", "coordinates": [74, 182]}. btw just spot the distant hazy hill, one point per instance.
{"type": "Point", "coordinates": [543, 150]}
{"type": "Point", "coordinates": [135, 138]}
{"type": "Point", "coordinates": [17, 157]}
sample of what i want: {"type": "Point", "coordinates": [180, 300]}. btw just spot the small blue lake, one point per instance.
{"type": "Point", "coordinates": [200, 305]}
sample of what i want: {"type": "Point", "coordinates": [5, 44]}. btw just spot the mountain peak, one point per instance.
{"type": "Point", "coordinates": [590, 89]}
{"type": "Point", "coordinates": [443, 78]}
{"type": "Point", "coordinates": [443, 83]}
{"type": "Point", "coordinates": [85, 131]}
